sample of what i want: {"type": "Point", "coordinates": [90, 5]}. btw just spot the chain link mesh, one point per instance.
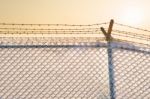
{"type": "Point", "coordinates": [53, 72]}
{"type": "Point", "coordinates": [131, 74]}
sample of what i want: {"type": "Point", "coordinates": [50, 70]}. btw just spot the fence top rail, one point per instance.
{"type": "Point", "coordinates": [82, 45]}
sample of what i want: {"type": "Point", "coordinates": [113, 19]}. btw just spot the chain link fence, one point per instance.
{"type": "Point", "coordinates": [74, 67]}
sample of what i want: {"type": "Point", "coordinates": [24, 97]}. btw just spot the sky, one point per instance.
{"type": "Point", "coordinates": [130, 12]}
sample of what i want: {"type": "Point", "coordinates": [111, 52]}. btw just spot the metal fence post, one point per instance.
{"type": "Point", "coordinates": [110, 58]}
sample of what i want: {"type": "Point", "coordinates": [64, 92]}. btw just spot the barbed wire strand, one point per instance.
{"type": "Point", "coordinates": [13, 24]}
{"type": "Point", "coordinates": [48, 29]}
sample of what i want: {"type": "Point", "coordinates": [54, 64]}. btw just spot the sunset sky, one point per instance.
{"type": "Point", "coordinates": [131, 12]}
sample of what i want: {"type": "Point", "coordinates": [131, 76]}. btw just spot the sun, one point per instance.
{"type": "Point", "coordinates": [132, 16]}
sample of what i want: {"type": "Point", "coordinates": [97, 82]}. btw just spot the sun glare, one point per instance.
{"type": "Point", "coordinates": [132, 16]}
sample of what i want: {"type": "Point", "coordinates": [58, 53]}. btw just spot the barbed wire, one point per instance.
{"type": "Point", "coordinates": [141, 29]}
{"type": "Point", "coordinates": [131, 35]}
{"type": "Point", "coordinates": [80, 29]}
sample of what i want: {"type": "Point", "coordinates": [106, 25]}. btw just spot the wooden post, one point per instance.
{"type": "Point", "coordinates": [110, 58]}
